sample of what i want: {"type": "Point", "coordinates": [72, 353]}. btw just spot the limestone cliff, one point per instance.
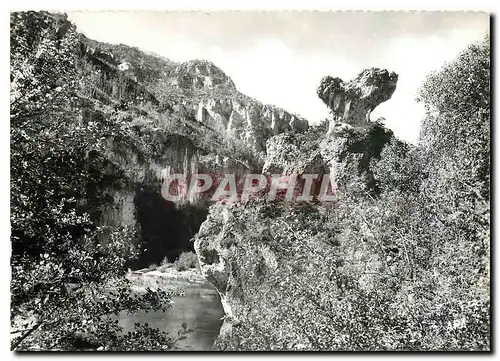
{"type": "Point", "coordinates": [165, 117]}
{"type": "Point", "coordinates": [250, 254]}
{"type": "Point", "coordinates": [352, 140]}
{"type": "Point", "coordinates": [223, 108]}
{"type": "Point", "coordinates": [196, 89]}
{"type": "Point", "coordinates": [248, 120]}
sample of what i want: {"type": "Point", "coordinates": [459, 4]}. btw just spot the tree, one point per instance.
{"type": "Point", "coordinates": [432, 216]}
{"type": "Point", "coordinates": [455, 195]}
{"type": "Point", "coordinates": [67, 283]}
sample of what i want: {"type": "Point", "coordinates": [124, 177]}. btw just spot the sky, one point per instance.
{"type": "Point", "coordinates": [280, 57]}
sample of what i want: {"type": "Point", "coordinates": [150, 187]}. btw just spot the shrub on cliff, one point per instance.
{"type": "Point", "coordinates": [435, 206]}
{"type": "Point", "coordinates": [455, 195]}
{"type": "Point", "coordinates": [433, 214]}
{"type": "Point", "coordinates": [431, 220]}
{"type": "Point", "coordinates": [297, 277]}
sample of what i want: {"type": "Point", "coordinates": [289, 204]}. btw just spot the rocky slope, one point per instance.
{"type": "Point", "coordinates": [268, 260]}
{"type": "Point", "coordinates": [167, 118]}
{"type": "Point", "coordinates": [196, 88]}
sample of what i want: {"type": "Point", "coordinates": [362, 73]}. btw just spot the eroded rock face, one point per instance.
{"type": "Point", "coordinates": [352, 102]}
{"type": "Point", "coordinates": [130, 171]}
{"type": "Point", "coordinates": [287, 155]}
{"type": "Point", "coordinates": [351, 153]}
{"type": "Point", "coordinates": [221, 106]}
{"type": "Point", "coordinates": [352, 143]}
{"type": "Point", "coordinates": [249, 121]}
{"type": "Point", "coordinates": [347, 154]}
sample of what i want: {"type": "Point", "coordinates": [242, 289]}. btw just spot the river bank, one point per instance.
{"type": "Point", "coordinates": [196, 304]}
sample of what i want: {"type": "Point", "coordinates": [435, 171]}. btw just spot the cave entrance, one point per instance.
{"type": "Point", "coordinates": [166, 229]}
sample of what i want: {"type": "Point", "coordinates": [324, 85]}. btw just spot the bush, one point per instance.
{"type": "Point", "coordinates": [186, 261]}
{"type": "Point", "coordinates": [165, 261]}
{"type": "Point", "coordinates": [67, 271]}
{"type": "Point", "coordinates": [405, 268]}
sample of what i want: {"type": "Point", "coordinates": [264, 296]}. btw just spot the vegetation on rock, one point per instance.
{"type": "Point", "coordinates": [399, 262]}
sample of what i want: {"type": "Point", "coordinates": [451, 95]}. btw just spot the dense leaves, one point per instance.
{"type": "Point", "coordinates": [432, 217]}
{"type": "Point", "coordinates": [67, 271]}
{"type": "Point", "coordinates": [455, 196]}
{"type": "Point", "coordinates": [403, 268]}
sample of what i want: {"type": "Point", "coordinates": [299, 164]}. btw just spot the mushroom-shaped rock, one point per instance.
{"type": "Point", "coordinates": [353, 102]}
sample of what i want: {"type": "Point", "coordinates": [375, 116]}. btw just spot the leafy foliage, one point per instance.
{"type": "Point", "coordinates": [67, 283]}
{"type": "Point", "coordinates": [186, 261]}
{"type": "Point", "coordinates": [403, 268]}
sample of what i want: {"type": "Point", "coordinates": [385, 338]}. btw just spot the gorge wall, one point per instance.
{"type": "Point", "coordinates": [189, 118]}
{"type": "Point", "coordinates": [164, 118]}
{"type": "Point", "coordinates": [262, 257]}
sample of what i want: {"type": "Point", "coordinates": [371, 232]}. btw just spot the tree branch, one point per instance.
{"type": "Point", "coordinates": [23, 337]}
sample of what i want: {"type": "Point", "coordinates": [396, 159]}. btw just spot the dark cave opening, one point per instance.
{"type": "Point", "coordinates": [166, 228]}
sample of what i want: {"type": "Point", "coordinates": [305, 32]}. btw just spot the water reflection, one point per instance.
{"type": "Point", "coordinates": [199, 308]}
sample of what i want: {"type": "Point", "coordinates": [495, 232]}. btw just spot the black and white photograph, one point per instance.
{"type": "Point", "coordinates": [222, 181]}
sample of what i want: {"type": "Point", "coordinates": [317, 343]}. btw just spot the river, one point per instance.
{"type": "Point", "coordinates": [199, 307]}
